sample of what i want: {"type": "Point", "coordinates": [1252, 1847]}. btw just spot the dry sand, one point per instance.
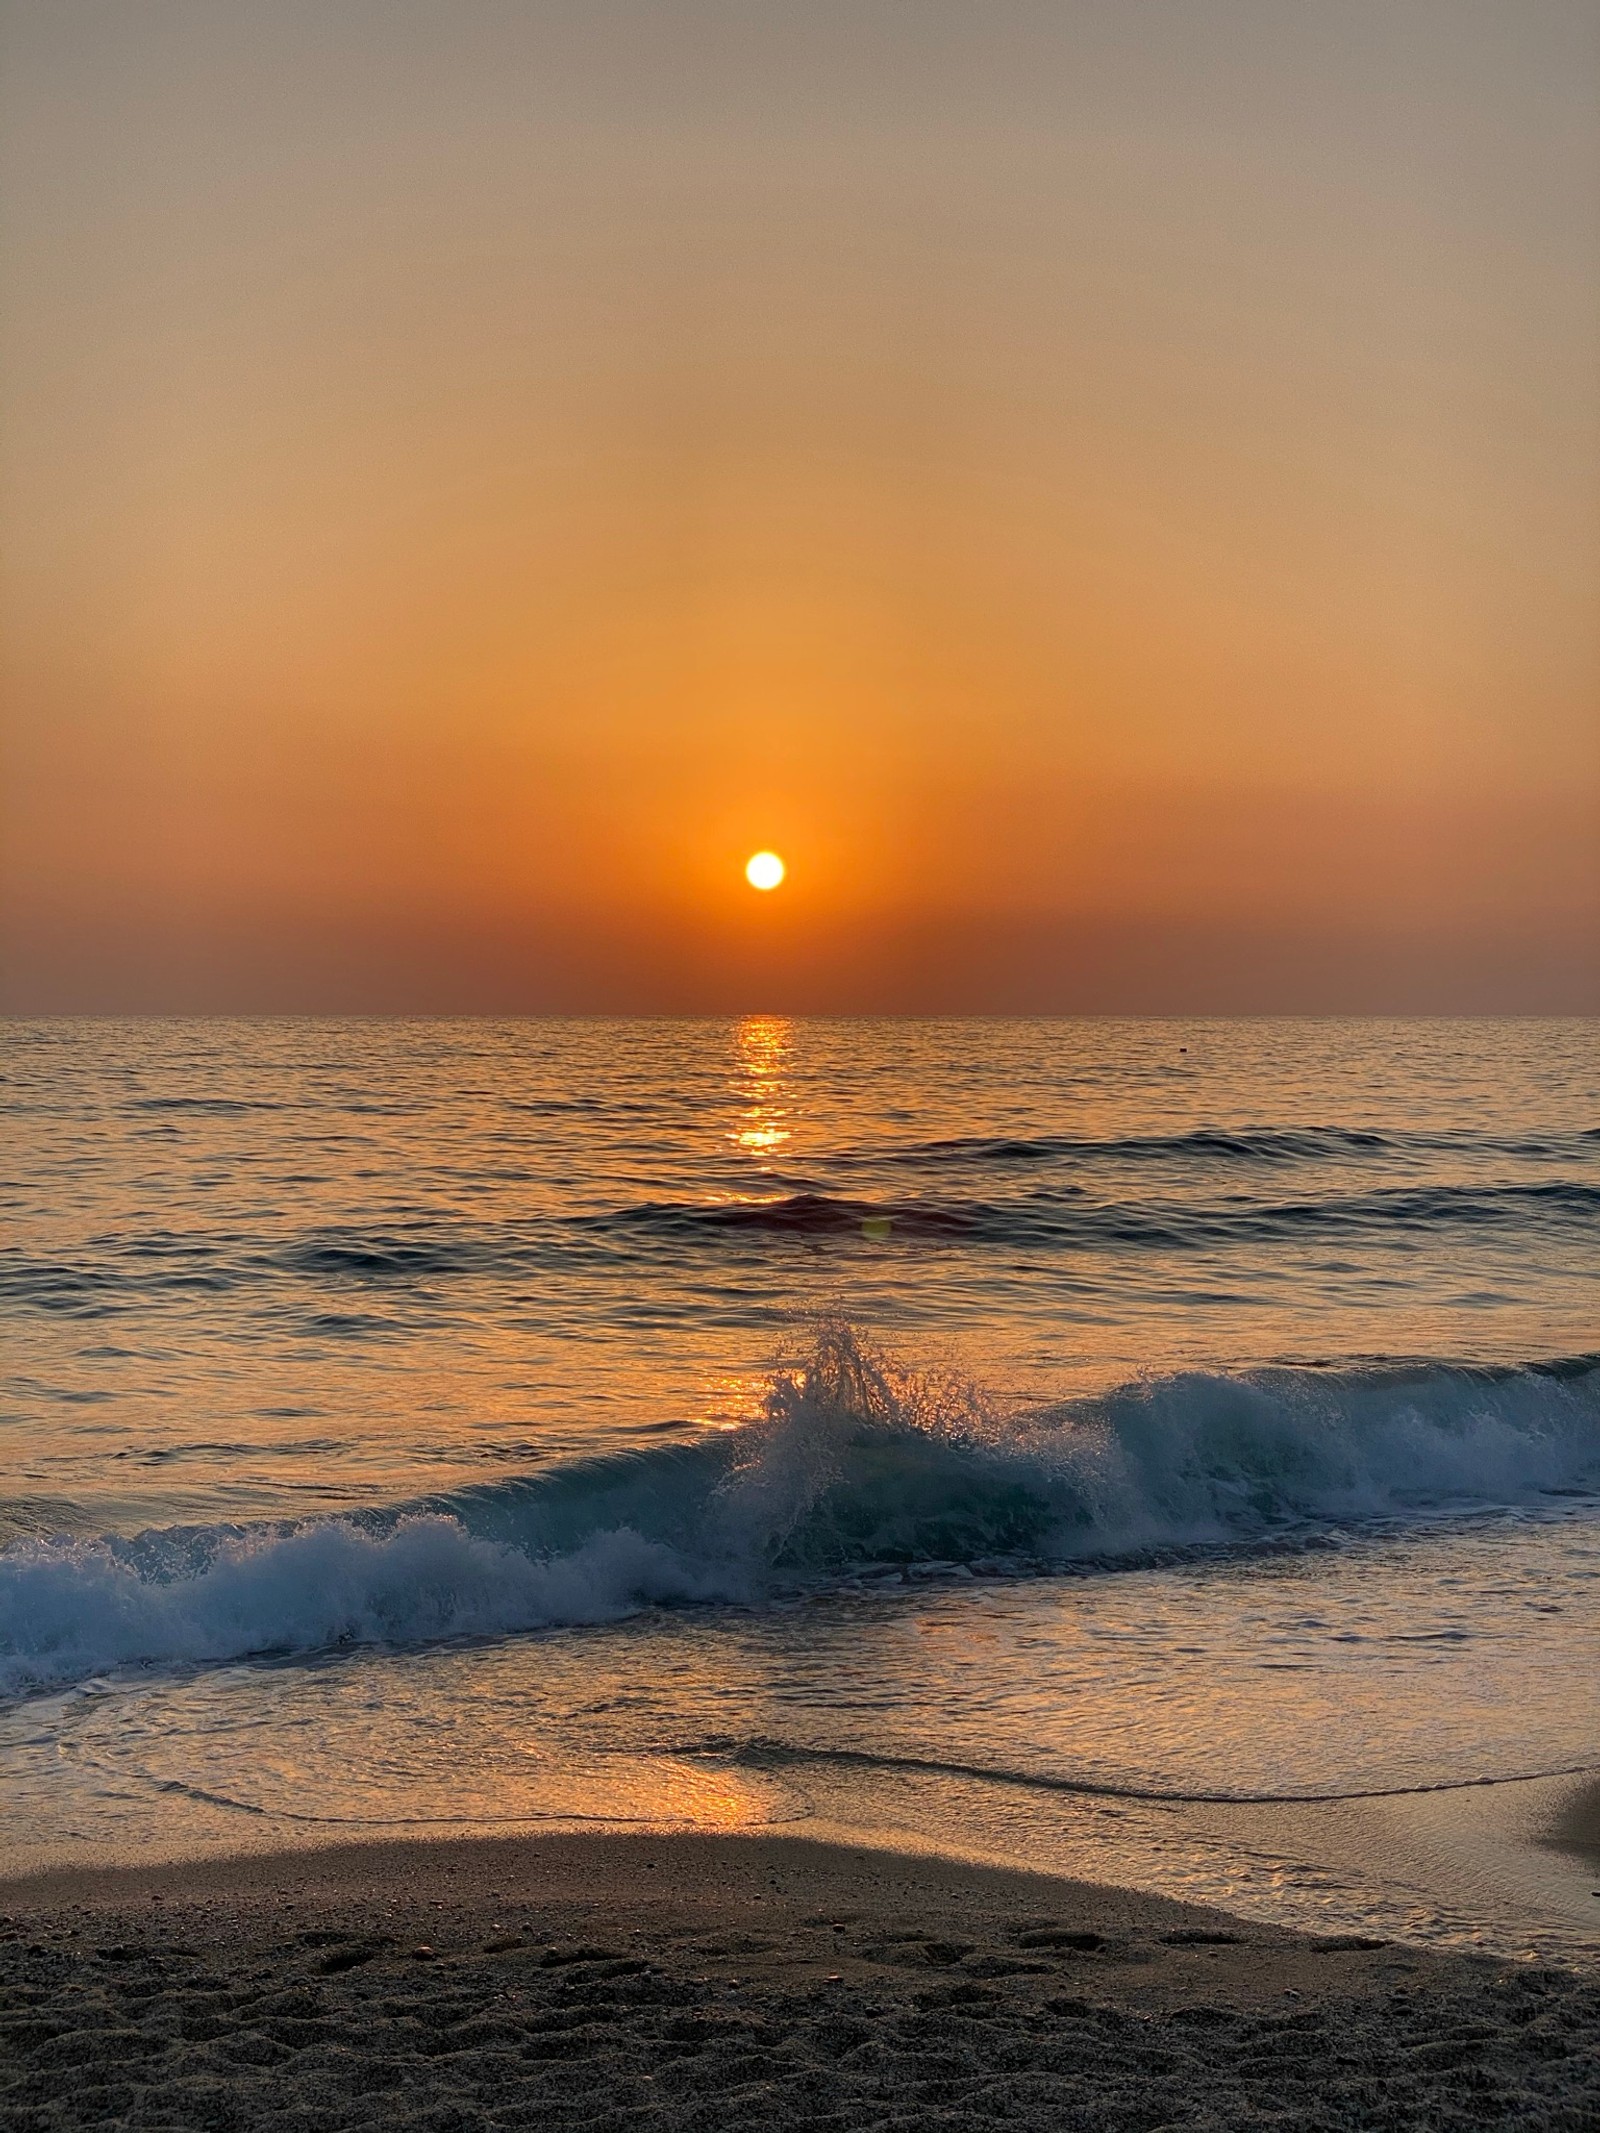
{"type": "Point", "coordinates": [722, 1982]}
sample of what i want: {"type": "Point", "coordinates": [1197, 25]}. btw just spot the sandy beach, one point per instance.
{"type": "Point", "coordinates": [691, 1981]}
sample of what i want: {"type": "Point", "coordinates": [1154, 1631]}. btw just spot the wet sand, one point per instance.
{"type": "Point", "coordinates": [716, 1982]}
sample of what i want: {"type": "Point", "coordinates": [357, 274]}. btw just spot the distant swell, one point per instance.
{"type": "Point", "coordinates": [1245, 1145]}
{"type": "Point", "coordinates": [854, 1469]}
{"type": "Point", "coordinates": [808, 1214]}
{"type": "Point", "coordinates": [1065, 1216]}
{"type": "Point", "coordinates": [982, 1195]}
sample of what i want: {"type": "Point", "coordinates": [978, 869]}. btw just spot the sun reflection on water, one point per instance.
{"type": "Point", "coordinates": [761, 1047]}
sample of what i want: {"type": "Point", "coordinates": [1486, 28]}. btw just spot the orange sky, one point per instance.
{"type": "Point", "coordinates": [1107, 491]}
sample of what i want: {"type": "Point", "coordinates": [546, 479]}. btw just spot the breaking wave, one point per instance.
{"type": "Point", "coordinates": [855, 1469]}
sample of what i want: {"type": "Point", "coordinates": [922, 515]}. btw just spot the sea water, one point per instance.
{"type": "Point", "coordinates": [1057, 1441]}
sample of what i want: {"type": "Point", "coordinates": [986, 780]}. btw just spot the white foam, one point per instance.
{"type": "Point", "coordinates": [72, 1609]}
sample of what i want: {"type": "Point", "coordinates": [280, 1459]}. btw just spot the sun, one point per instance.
{"type": "Point", "coordinates": [764, 870]}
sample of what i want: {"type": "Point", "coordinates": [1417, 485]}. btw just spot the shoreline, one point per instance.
{"type": "Point", "coordinates": [717, 1980]}
{"type": "Point", "coordinates": [1506, 1867]}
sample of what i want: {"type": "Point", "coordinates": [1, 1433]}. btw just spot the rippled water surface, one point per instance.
{"type": "Point", "coordinates": [252, 1268]}
{"type": "Point", "coordinates": [463, 1421]}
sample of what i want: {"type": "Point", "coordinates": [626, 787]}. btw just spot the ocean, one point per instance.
{"type": "Point", "coordinates": [1168, 1451]}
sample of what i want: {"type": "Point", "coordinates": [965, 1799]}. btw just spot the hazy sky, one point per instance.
{"type": "Point", "coordinates": [1108, 489]}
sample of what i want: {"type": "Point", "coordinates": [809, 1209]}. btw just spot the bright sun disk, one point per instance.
{"type": "Point", "coordinates": [763, 870]}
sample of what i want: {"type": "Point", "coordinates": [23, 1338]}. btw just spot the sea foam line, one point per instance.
{"type": "Point", "coordinates": [760, 1752]}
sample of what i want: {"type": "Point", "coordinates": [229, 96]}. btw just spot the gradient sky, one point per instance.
{"type": "Point", "coordinates": [1108, 490]}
